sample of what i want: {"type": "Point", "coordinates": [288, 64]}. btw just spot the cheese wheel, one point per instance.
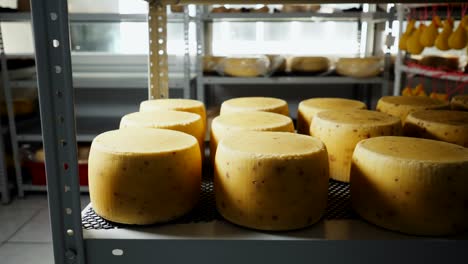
{"type": "Point", "coordinates": [263, 104]}
{"type": "Point", "coordinates": [144, 176]}
{"type": "Point", "coordinates": [271, 180]}
{"type": "Point", "coordinates": [230, 124]}
{"type": "Point", "coordinates": [342, 130]}
{"type": "Point", "coordinates": [174, 120]}
{"type": "Point", "coordinates": [359, 67]}
{"type": "Point", "coordinates": [309, 64]}
{"type": "Point", "coordinates": [410, 185]}
{"type": "Point", "coordinates": [211, 63]}
{"type": "Point", "coordinates": [184, 105]}
{"type": "Point", "coordinates": [246, 67]}
{"type": "Point", "coordinates": [444, 125]}
{"type": "Point", "coordinates": [308, 108]}
{"type": "Point", "coordinates": [402, 106]}
{"type": "Point", "coordinates": [459, 102]}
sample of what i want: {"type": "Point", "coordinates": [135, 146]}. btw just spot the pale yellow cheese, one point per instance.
{"type": "Point", "coordinates": [444, 125]}
{"type": "Point", "coordinates": [402, 106]}
{"type": "Point", "coordinates": [264, 104]}
{"type": "Point", "coordinates": [359, 67]}
{"type": "Point", "coordinates": [308, 108]}
{"type": "Point", "coordinates": [309, 64]}
{"type": "Point", "coordinates": [245, 67]}
{"type": "Point", "coordinates": [460, 102]}
{"type": "Point", "coordinates": [271, 180]}
{"type": "Point", "coordinates": [166, 119]}
{"type": "Point", "coordinates": [184, 105]}
{"type": "Point", "coordinates": [230, 124]}
{"type": "Point", "coordinates": [143, 175]}
{"type": "Point", "coordinates": [341, 130]}
{"type": "Point", "coordinates": [410, 185]}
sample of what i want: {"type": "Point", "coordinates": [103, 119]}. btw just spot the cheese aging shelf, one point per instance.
{"type": "Point", "coordinates": [201, 236]}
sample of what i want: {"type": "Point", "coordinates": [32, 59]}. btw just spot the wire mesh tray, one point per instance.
{"type": "Point", "coordinates": [338, 207]}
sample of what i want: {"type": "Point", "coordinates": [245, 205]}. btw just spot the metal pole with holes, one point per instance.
{"type": "Point", "coordinates": [56, 101]}
{"type": "Point", "coordinates": [158, 81]}
{"type": "Point", "coordinates": [187, 63]}
{"type": "Point", "coordinates": [200, 34]}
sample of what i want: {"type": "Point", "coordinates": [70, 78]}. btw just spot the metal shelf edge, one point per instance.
{"type": "Point", "coordinates": [292, 80]}
{"type": "Point", "coordinates": [43, 188]}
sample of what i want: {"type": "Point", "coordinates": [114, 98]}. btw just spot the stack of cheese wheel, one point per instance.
{"type": "Point", "coordinates": [144, 176]}
{"type": "Point", "coordinates": [359, 67]}
{"type": "Point", "coordinates": [166, 119]}
{"type": "Point", "coordinates": [402, 106]}
{"type": "Point", "coordinates": [444, 125]}
{"type": "Point", "coordinates": [342, 130]}
{"type": "Point", "coordinates": [271, 180]}
{"type": "Point", "coordinates": [229, 124]}
{"type": "Point", "coordinates": [309, 64]}
{"type": "Point", "coordinates": [245, 67]}
{"type": "Point", "coordinates": [411, 185]}
{"type": "Point", "coordinates": [308, 108]}
{"type": "Point", "coordinates": [264, 104]}
{"type": "Point", "coordinates": [184, 105]}
{"type": "Point", "coordinates": [459, 102]}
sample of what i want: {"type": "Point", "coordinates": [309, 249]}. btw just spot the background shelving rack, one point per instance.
{"type": "Point", "coordinates": [29, 131]}
{"type": "Point", "coordinates": [208, 242]}
{"type": "Point", "coordinates": [372, 17]}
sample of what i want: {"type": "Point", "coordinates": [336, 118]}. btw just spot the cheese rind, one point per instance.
{"type": "Point", "coordinates": [309, 64]}
{"type": "Point", "coordinates": [308, 108]}
{"type": "Point", "coordinates": [176, 104]}
{"type": "Point", "coordinates": [245, 67]}
{"type": "Point", "coordinates": [410, 185]}
{"type": "Point", "coordinates": [271, 180]}
{"type": "Point", "coordinates": [402, 106]}
{"type": "Point", "coordinates": [174, 120]}
{"type": "Point", "coordinates": [230, 124]}
{"type": "Point", "coordinates": [144, 176]}
{"type": "Point", "coordinates": [342, 130]}
{"type": "Point", "coordinates": [459, 102]}
{"type": "Point", "coordinates": [264, 104]}
{"type": "Point", "coordinates": [444, 125]}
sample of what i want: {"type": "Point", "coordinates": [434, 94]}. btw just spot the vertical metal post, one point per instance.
{"type": "Point", "coordinates": [158, 78]}
{"type": "Point", "coordinates": [398, 61]}
{"type": "Point", "coordinates": [56, 101]}
{"type": "Point", "coordinates": [200, 49]}
{"type": "Point", "coordinates": [11, 119]}
{"type": "Point", "coordinates": [4, 189]}
{"type": "Point", "coordinates": [187, 64]}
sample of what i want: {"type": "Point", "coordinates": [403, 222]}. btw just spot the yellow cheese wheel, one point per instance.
{"type": "Point", "coordinates": [230, 124]}
{"type": "Point", "coordinates": [308, 108]}
{"type": "Point", "coordinates": [401, 106]}
{"type": "Point", "coordinates": [444, 125]}
{"type": "Point", "coordinates": [411, 185]}
{"type": "Point", "coordinates": [166, 119]}
{"type": "Point", "coordinates": [144, 176]}
{"type": "Point", "coordinates": [246, 67]}
{"type": "Point", "coordinates": [264, 104]}
{"type": "Point", "coordinates": [309, 64]}
{"type": "Point", "coordinates": [460, 102]}
{"type": "Point", "coordinates": [359, 67]}
{"type": "Point", "coordinates": [211, 63]}
{"type": "Point", "coordinates": [271, 180]}
{"type": "Point", "coordinates": [184, 105]}
{"type": "Point", "coordinates": [341, 130]}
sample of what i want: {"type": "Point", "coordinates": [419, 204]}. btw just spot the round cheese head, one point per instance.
{"type": "Point", "coordinates": [271, 180]}
{"type": "Point", "coordinates": [342, 130]}
{"type": "Point", "coordinates": [460, 102]}
{"type": "Point", "coordinates": [143, 175]}
{"type": "Point", "coordinates": [174, 120]}
{"type": "Point", "coordinates": [444, 125]}
{"type": "Point", "coordinates": [184, 105]}
{"type": "Point", "coordinates": [308, 108]}
{"type": "Point", "coordinates": [402, 106]}
{"type": "Point", "coordinates": [411, 185]}
{"type": "Point", "coordinates": [230, 124]}
{"type": "Point", "coordinates": [309, 64]}
{"type": "Point", "coordinates": [246, 67]}
{"type": "Point", "coordinates": [264, 104]}
{"type": "Point", "coordinates": [359, 67]}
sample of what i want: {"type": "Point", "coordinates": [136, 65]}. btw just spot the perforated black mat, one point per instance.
{"type": "Point", "coordinates": [339, 207]}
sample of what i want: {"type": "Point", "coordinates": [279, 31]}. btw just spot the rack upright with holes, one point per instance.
{"type": "Point", "coordinates": [200, 236]}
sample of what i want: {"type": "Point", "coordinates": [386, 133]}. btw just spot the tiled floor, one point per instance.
{"type": "Point", "coordinates": [25, 235]}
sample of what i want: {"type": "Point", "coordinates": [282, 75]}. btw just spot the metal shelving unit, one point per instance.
{"type": "Point", "coordinates": [88, 239]}
{"type": "Point", "coordinates": [371, 18]}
